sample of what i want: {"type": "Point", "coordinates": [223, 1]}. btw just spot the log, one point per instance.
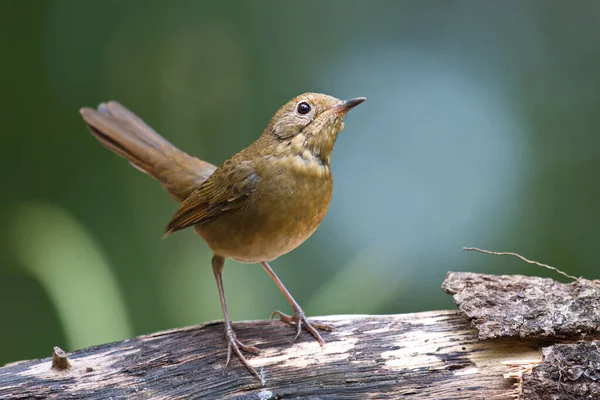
{"type": "Point", "coordinates": [428, 355]}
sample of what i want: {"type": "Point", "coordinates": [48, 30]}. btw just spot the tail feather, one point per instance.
{"type": "Point", "coordinates": [125, 134]}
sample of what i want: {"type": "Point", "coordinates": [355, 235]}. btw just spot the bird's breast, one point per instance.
{"type": "Point", "coordinates": [290, 202]}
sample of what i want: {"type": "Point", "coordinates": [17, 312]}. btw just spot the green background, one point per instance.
{"type": "Point", "coordinates": [480, 129]}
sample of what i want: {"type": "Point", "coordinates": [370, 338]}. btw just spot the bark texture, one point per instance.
{"type": "Point", "coordinates": [569, 372]}
{"type": "Point", "coordinates": [516, 306]}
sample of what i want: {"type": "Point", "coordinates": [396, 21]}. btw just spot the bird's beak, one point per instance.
{"type": "Point", "coordinates": [346, 105]}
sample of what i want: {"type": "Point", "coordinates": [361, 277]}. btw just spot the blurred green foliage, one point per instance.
{"type": "Point", "coordinates": [480, 129]}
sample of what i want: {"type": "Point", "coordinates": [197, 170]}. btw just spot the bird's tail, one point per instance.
{"type": "Point", "coordinates": [124, 133]}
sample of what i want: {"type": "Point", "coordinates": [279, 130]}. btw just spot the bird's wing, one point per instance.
{"type": "Point", "coordinates": [225, 190]}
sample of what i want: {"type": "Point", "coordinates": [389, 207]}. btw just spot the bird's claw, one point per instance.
{"type": "Point", "coordinates": [235, 346]}
{"type": "Point", "coordinates": [298, 319]}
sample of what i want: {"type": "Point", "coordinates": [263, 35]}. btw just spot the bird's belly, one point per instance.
{"type": "Point", "coordinates": [269, 226]}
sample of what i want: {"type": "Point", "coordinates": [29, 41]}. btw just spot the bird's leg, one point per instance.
{"type": "Point", "coordinates": [233, 344]}
{"type": "Point", "coordinates": [299, 317]}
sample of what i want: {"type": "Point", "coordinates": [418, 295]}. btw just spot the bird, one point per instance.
{"type": "Point", "coordinates": [261, 203]}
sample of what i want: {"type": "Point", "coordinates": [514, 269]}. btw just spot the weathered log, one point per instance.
{"type": "Point", "coordinates": [430, 355]}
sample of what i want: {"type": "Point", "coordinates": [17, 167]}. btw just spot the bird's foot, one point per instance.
{"type": "Point", "coordinates": [235, 346]}
{"type": "Point", "coordinates": [299, 319]}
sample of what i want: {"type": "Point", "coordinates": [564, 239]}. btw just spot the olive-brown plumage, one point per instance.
{"type": "Point", "coordinates": [261, 203]}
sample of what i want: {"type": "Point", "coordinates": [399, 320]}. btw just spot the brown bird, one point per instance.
{"type": "Point", "coordinates": [260, 204]}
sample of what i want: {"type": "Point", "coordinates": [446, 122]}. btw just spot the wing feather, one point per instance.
{"type": "Point", "coordinates": [225, 190]}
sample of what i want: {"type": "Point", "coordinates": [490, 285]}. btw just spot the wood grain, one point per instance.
{"type": "Point", "coordinates": [430, 355]}
{"type": "Point", "coordinates": [512, 337]}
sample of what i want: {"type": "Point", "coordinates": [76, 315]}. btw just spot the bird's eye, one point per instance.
{"type": "Point", "coordinates": [303, 108]}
